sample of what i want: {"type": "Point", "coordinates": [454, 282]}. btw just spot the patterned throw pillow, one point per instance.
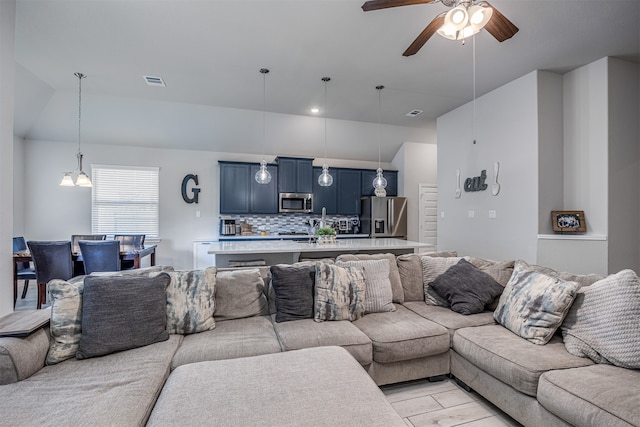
{"type": "Point", "coordinates": [602, 323]}
{"type": "Point", "coordinates": [533, 304]}
{"type": "Point", "coordinates": [190, 301]}
{"type": "Point", "coordinates": [432, 267]}
{"type": "Point", "coordinates": [378, 294]}
{"type": "Point", "coordinates": [339, 293]}
{"type": "Point", "coordinates": [66, 319]}
{"type": "Point", "coordinates": [121, 313]}
{"type": "Point", "coordinates": [467, 289]}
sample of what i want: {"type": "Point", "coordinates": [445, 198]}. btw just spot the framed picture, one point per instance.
{"type": "Point", "coordinates": [568, 221]}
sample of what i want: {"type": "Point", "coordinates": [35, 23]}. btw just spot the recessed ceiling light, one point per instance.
{"type": "Point", "coordinates": [154, 81]}
{"type": "Point", "coordinates": [414, 113]}
{"type": "Point", "coordinates": [315, 110]}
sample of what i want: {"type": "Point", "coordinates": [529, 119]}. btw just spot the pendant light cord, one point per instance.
{"type": "Point", "coordinates": [80, 76]}
{"type": "Point", "coordinates": [380, 87]}
{"type": "Point", "coordinates": [326, 111]}
{"type": "Point", "coordinates": [264, 72]}
{"type": "Point", "coordinates": [474, 90]}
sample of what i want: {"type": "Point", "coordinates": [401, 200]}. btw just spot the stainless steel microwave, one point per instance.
{"type": "Point", "coordinates": [295, 202]}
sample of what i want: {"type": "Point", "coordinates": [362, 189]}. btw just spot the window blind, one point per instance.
{"type": "Point", "coordinates": [125, 200]}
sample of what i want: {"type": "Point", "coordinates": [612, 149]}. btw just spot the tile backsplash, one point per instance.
{"type": "Point", "coordinates": [286, 223]}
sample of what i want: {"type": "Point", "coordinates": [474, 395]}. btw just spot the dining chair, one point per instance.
{"type": "Point", "coordinates": [129, 241]}
{"type": "Point", "coordinates": [100, 255]}
{"type": "Point", "coordinates": [75, 238]}
{"type": "Point", "coordinates": [52, 260]}
{"type": "Point", "coordinates": [24, 270]}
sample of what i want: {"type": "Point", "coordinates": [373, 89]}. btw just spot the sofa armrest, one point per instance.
{"type": "Point", "coordinates": [22, 357]}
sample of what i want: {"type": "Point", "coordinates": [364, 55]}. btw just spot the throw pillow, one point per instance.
{"type": "Point", "coordinates": [467, 289]}
{"type": "Point", "coordinates": [394, 273]}
{"type": "Point", "coordinates": [339, 293]}
{"type": "Point", "coordinates": [66, 319]}
{"type": "Point", "coordinates": [602, 324]}
{"type": "Point", "coordinates": [240, 294]}
{"type": "Point", "coordinates": [293, 287]}
{"type": "Point", "coordinates": [533, 304]}
{"type": "Point", "coordinates": [432, 267]}
{"type": "Point", "coordinates": [378, 295]}
{"type": "Point", "coordinates": [120, 313]}
{"type": "Point", "coordinates": [190, 301]}
{"type": "Point", "coordinates": [145, 271]}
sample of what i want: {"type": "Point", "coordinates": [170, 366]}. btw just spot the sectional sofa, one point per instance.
{"type": "Point", "coordinates": [256, 363]}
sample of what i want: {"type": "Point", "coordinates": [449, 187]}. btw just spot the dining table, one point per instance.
{"type": "Point", "coordinates": [127, 253]}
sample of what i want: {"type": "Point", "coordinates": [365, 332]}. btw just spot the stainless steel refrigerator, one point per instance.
{"type": "Point", "coordinates": [384, 216]}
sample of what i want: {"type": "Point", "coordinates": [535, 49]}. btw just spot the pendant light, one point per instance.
{"type": "Point", "coordinates": [263, 176]}
{"type": "Point", "coordinates": [379, 182]}
{"type": "Point", "coordinates": [83, 179]}
{"type": "Point", "coordinates": [325, 179]}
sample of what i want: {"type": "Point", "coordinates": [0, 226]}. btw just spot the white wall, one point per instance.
{"type": "Point", "coordinates": [52, 212]}
{"type": "Point", "coordinates": [18, 177]}
{"type": "Point", "coordinates": [506, 131]}
{"type": "Point", "coordinates": [417, 164]}
{"type": "Point", "coordinates": [7, 29]}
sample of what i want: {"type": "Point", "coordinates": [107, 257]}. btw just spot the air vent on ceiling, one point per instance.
{"type": "Point", "coordinates": [154, 81]}
{"type": "Point", "coordinates": [413, 113]}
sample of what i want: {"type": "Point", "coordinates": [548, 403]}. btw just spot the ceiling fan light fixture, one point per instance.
{"type": "Point", "coordinates": [479, 16]}
{"type": "Point", "coordinates": [457, 18]}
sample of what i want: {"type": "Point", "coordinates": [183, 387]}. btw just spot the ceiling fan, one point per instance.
{"type": "Point", "coordinates": [465, 18]}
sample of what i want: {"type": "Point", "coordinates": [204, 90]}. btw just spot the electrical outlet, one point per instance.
{"type": "Point", "coordinates": [441, 214]}
{"type": "Point", "coordinates": [471, 214]}
{"type": "Point", "coordinates": [492, 214]}
{"type": "Point", "coordinates": [197, 214]}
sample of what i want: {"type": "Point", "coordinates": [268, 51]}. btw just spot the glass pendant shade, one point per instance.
{"type": "Point", "coordinates": [379, 181]}
{"type": "Point", "coordinates": [67, 181]}
{"type": "Point", "coordinates": [325, 179]}
{"type": "Point", "coordinates": [263, 176]}
{"type": "Point", "coordinates": [83, 180]}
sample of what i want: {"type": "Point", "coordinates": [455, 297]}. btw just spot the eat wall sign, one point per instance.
{"type": "Point", "coordinates": [477, 183]}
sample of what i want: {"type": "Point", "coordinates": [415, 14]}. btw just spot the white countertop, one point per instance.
{"type": "Point", "coordinates": [284, 246]}
{"type": "Point", "coordinates": [287, 237]}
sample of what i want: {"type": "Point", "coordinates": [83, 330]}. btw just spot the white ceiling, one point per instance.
{"type": "Point", "coordinates": [209, 53]}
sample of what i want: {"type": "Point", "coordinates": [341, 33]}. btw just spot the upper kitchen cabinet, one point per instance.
{"type": "Point", "coordinates": [348, 185]}
{"type": "Point", "coordinates": [326, 197]}
{"type": "Point", "coordinates": [264, 197]}
{"type": "Point", "coordinates": [295, 175]}
{"type": "Point", "coordinates": [241, 194]}
{"type": "Point", "coordinates": [367, 182]}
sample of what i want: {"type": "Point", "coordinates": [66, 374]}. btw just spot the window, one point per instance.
{"type": "Point", "coordinates": [125, 200]}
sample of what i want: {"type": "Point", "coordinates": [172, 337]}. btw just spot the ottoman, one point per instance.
{"type": "Point", "coordinates": [321, 386]}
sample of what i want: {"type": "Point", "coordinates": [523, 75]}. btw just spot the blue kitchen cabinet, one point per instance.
{"type": "Point", "coordinates": [264, 197]}
{"type": "Point", "coordinates": [367, 182]}
{"type": "Point", "coordinates": [325, 196]}
{"type": "Point", "coordinates": [235, 187]}
{"type": "Point", "coordinates": [349, 188]}
{"type": "Point", "coordinates": [241, 194]}
{"type": "Point", "coordinates": [295, 175]}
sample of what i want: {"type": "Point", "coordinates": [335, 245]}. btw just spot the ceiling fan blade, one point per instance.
{"type": "Point", "coordinates": [425, 35]}
{"type": "Point", "coordinates": [385, 4]}
{"type": "Point", "coordinates": [499, 26]}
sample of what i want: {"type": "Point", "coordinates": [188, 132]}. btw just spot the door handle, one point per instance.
{"type": "Point", "coordinates": [390, 212]}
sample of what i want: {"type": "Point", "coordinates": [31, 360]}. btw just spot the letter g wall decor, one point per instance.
{"type": "Point", "coordinates": [195, 191]}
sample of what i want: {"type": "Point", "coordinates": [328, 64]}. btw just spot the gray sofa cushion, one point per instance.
{"type": "Point", "coordinates": [598, 395]}
{"type": "Point", "coordinates": [239, 294]}
{"type": "Point", "coordinates": [394, 274]}
{"type": "Point", "coordinates": [307, 333]}
{"type": "Point", "coordinates": [432, 267]}
{"type": "Point", "coordinates": [249, 336]}
{"type": "Point", "coordinates": [121, 313]}
{"type": "Point", "coordinates": [313, 387]}
{"type": "Point", "coordinates": [602, 324]}
{"type": "Point", "coordinates": [410, 272]}
{"type": "Point", "coordinates": [511, 359]}
{"type": "Point", "coordinates": [450, 319]}
{"type": "Point", "coordinates": [378, 295]}
{"type": "Point", "coordinates": [533, 305]}
{"type": "Point", "coordinates": [294, 287]}
{"type": "Point", "coordinates": [119, 389]}
{"type": "Point", "coordinates": [467, 289]}
{"type": "Point", "coordinates": [190, 301]}
{"type": "Point", "coordinates": [22, 357]}
{"type": "Point", "coordinates": [402, 335]}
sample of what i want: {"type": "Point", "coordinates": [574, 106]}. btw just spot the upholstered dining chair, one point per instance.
{"type": "Point", "coordinates": [100, 255]}
{"type": "Point", "coordinates": [78, 267]}
{"type": "Point", "coordinates": [128, 241]}
{"type": "Point", "coordinates": [24, 270]}
{"type": "Point", "coordinates": [52, 260]}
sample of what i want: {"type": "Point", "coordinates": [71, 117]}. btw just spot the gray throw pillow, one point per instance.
{"type": "Point", "coordinates": [432, 267]}
{"type": "Point", "coordinates": [120, 313]}
{"type": "Point", "coordinates": [240, 294]}
{"type": "Point", "coordinates": [467, 289]}
{"type": "Point", "coordinates": [378, 295]}
{"type": "Point", "coordinates": [294, 287]}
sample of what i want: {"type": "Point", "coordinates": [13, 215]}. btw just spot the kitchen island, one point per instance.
{"type": "Point", "coordinates": [289, 252]}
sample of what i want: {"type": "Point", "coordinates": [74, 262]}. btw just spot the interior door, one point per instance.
{"type": "Point", "coordinates": [428, 214]}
